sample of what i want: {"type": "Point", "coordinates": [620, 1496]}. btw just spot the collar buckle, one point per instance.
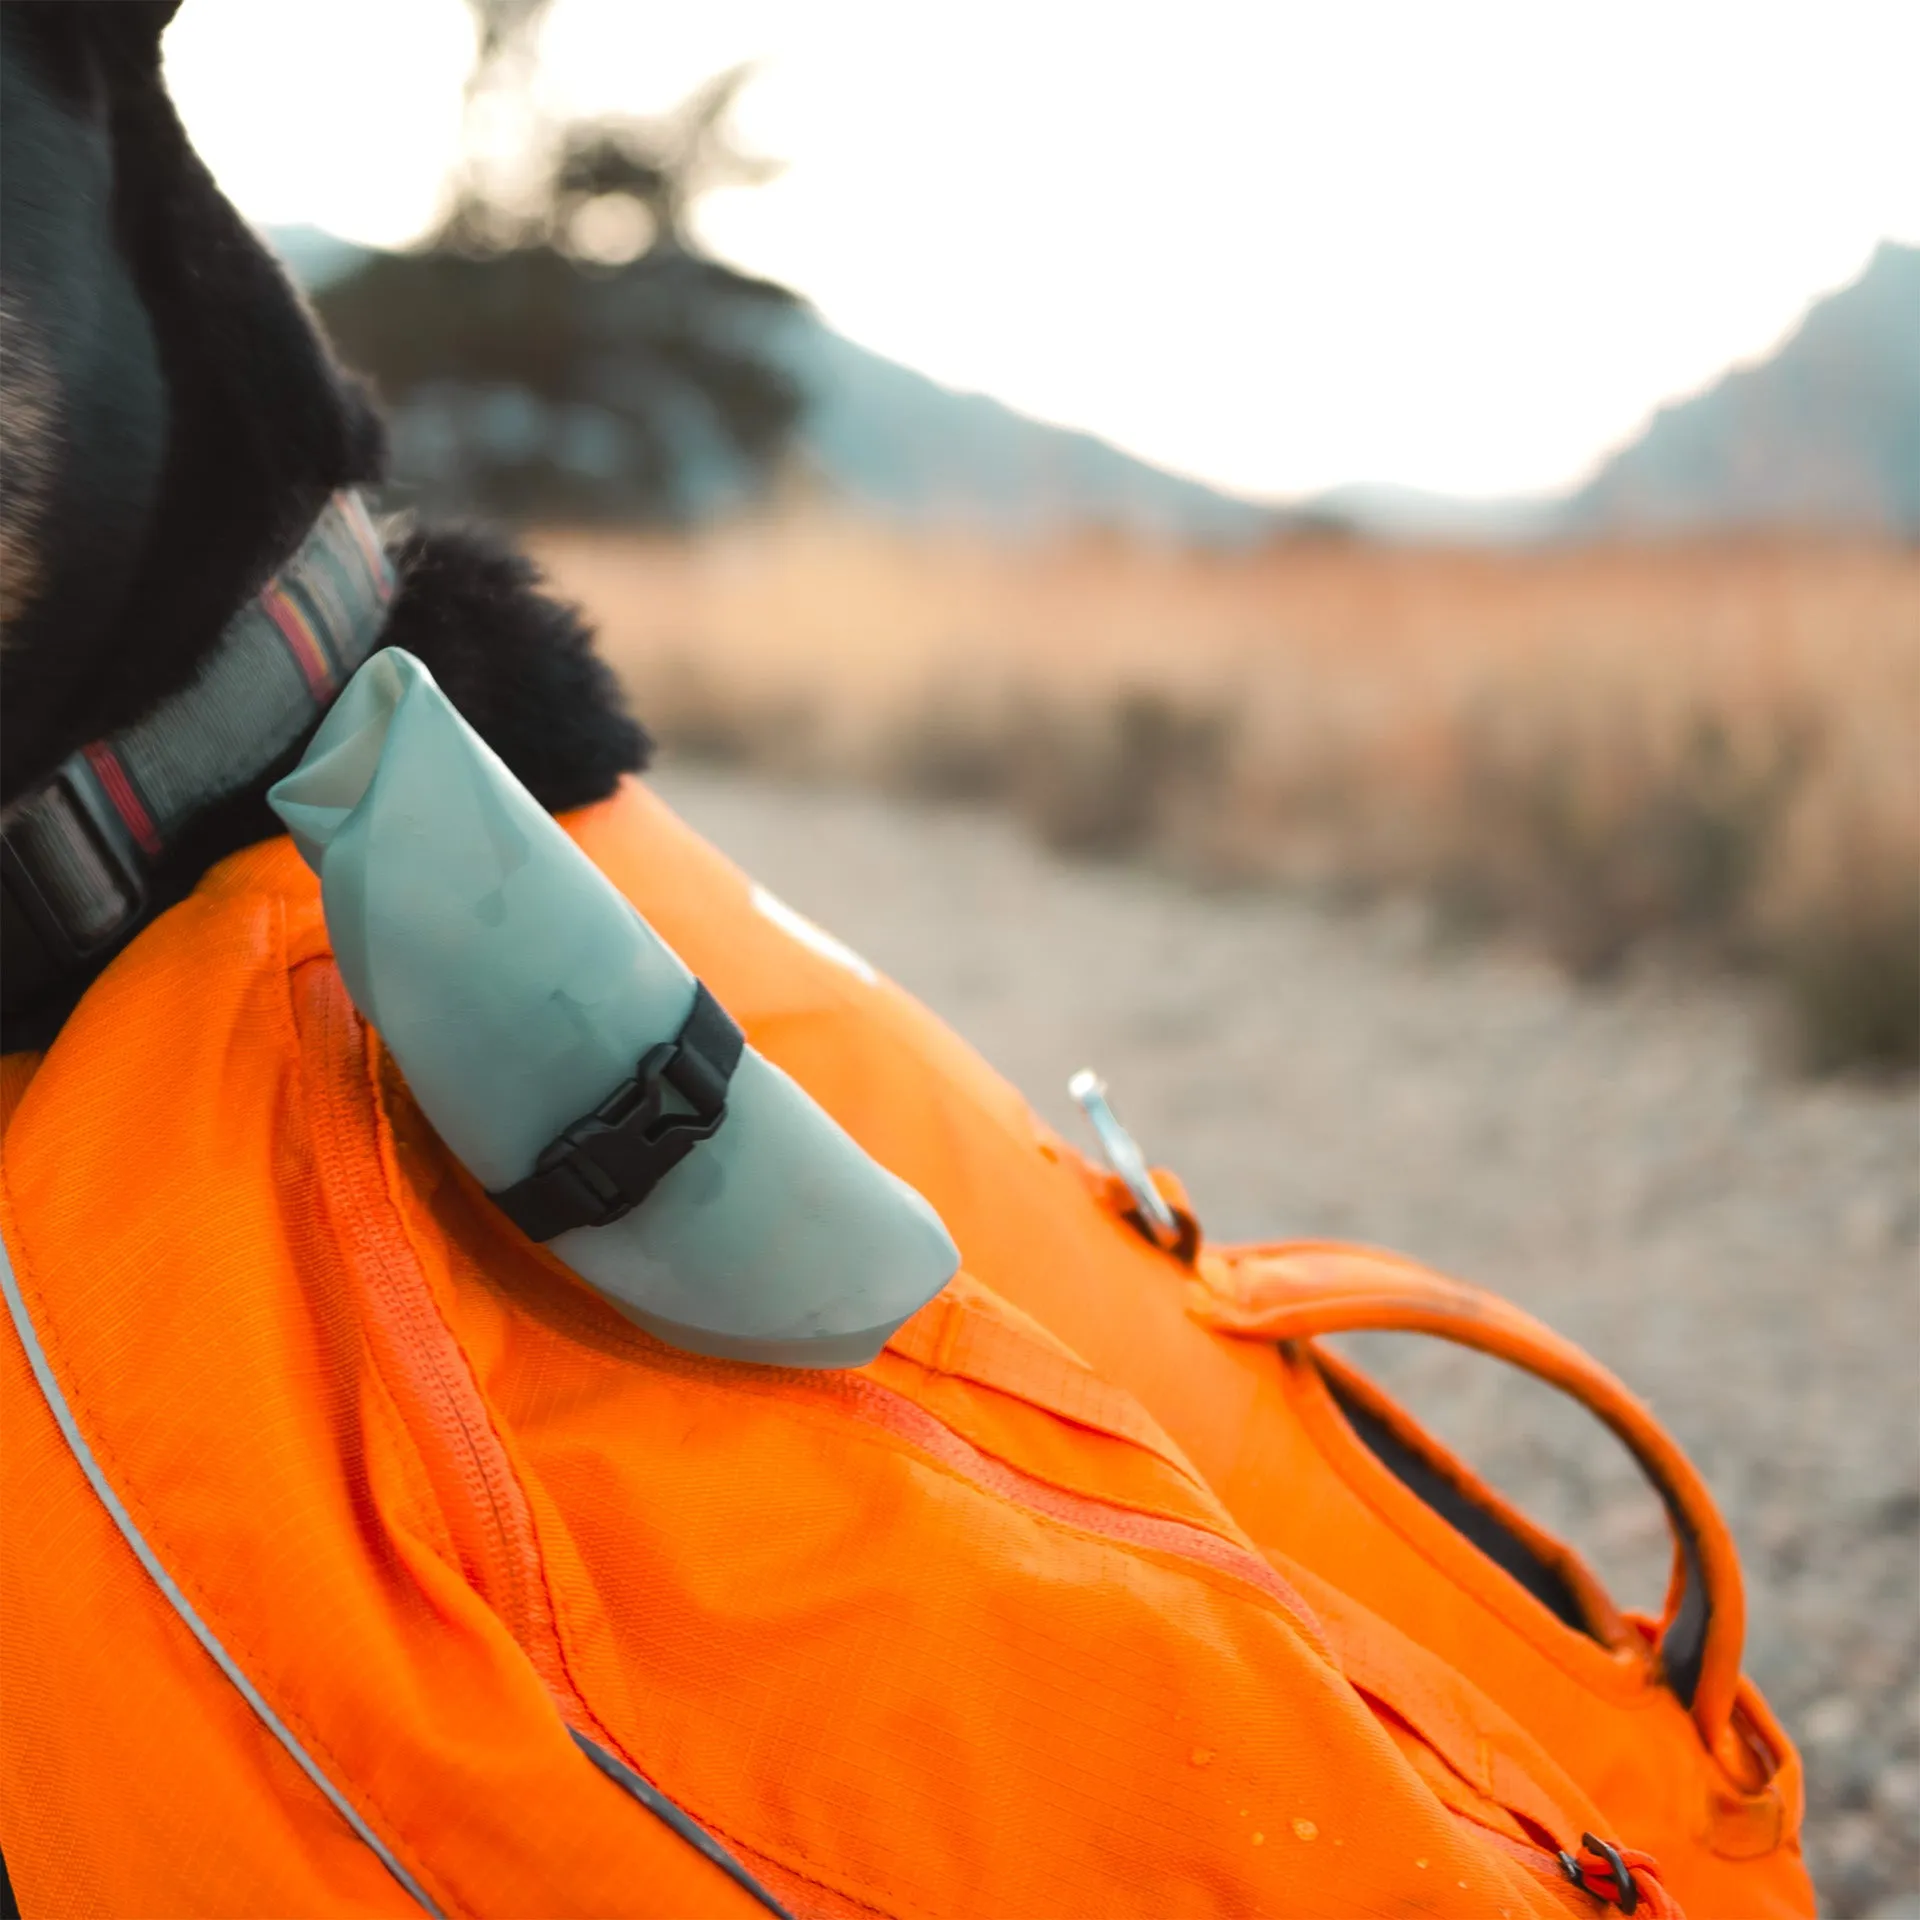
{"type": "Point", "coordinates": [78, 850]}
{"type": "Point", "coordinates": [72, 877]}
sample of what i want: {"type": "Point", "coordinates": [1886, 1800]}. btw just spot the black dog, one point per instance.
{"type": "Point", "coordinates": [172, 424]}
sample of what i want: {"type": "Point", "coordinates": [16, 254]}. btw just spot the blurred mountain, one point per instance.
{"type": "Point", "coordinates": [1418, 516]}
{"type": "Point", "coordinates": [891, 440]}
{"type": "Point", "coordinates": [869, 431]}
{"type": "Point", "coordinates": [1825, 432]}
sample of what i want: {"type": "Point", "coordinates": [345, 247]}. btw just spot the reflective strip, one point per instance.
{"type": "Point", "coordinates": [83, 1454]}
{"type": "Point", "coordinates": [676, 1817]}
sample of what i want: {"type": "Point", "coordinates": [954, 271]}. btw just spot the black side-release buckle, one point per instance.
{"type": "Point", "coordinates": [609, 1160]}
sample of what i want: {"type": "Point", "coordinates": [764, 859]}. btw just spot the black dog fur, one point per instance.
{"type": "Point", "coordinates": [134, 529]}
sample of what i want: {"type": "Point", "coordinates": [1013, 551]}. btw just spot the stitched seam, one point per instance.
{"type": "Point", "coordinates": [803, 1391]}
{"type": "Point", "coordinates": [563, 1684]}
{"type": "Point", "coordinates": [551, 1618]}
{"type": "Point", "coordinates": [569, 1305]}
{"type": "Point", "coordinates": [124, 1485]}
{"type": "Point", "coordinates": [1249, 1572]}
{"type": "Point", "coordinates": [1539, 1807]}
{"type": "Point", "coordinates": [187, 1599]}
{"type": "Point", "coordinates": [800, 1393]}
{"type": "Point", "coordinates": [498, 1501]}
{"type": "Point", "coordinates": [573, 1704]}
{"type": "Point", "coordinates": [1265, 1586]}
{"type": "Point", "coordinates": [779, 1874]}
{"type": "Point", "coordinates": [366, 1249]}
{"type": "Point", "coordinates": [426, 1509]}
{"type": "Point", "coordinates": [1145, 1508]}
{"type": "Point", "coordinates": [806, 1393]}
{"type": "Point", "coordinates": [431, 1509]}
{"type": "Point", "coordinates": [506, 1504]}
{"type": "Point", "coordinates": [968, 1349]}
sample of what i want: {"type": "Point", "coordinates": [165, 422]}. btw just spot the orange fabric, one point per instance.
{"type": "Point", "coordinates": [1719, 1808]}
{"type": "Point", "coordinates": [1300, 1291]}
{"type": "Point", "coordinates": [1718, 1802]}
{"type": "Point", "coordinates": [16, 1076]}
{"type": "Point", "coordinates": [1016, 1621]}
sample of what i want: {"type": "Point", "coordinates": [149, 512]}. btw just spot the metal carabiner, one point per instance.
{"type": "Point", "coordinates": [1122, 1153]}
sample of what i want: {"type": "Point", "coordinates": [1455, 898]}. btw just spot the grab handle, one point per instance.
{"type": "Point", "coordinates": [1308, 1288]}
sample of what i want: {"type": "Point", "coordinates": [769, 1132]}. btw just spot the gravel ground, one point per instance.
{"type": "Point", "coordinates": [1627, 1165]}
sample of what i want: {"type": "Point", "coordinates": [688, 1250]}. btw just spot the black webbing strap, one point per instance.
{"type": "Point", "coordinates": [609, 1160]}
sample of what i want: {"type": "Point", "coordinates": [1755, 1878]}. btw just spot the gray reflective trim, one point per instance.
{"type": "Point", "coordinates": [683, 1823]}
{"type": "Point", "coordinates": [83, 1454]}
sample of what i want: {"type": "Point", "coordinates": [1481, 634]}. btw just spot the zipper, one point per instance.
{"type": "Point", "coordinates": [475, 1489]}
{"type": "Point", "coordinates": [472, 1479]}
{"type": "Point", "coordinates": [479, 1491]}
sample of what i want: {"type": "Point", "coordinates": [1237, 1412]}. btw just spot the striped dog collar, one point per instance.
{"type": "Point", "coordinates": [75, 853]}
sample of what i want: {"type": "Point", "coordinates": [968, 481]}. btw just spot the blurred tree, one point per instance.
{"type": "Point", "coordinates": [664, 163]}
{"type": "Point", "coordinates": [506, 29]}
{"type": "Point", "coordinates": [502, 128]}
{"type": "Point", "coordinates": [562, 348]}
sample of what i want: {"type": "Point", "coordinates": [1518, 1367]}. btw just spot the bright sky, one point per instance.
{"type": "Point", "coordinates": [1281, 244]}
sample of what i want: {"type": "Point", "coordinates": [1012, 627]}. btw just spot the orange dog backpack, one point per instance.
{"type": "Point", "coordinates": [360, 1559]}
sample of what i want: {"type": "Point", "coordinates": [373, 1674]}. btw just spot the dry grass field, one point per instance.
{"type": "Point", "coordinates": [1708, 750]}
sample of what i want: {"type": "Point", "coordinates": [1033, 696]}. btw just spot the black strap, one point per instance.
{"type": "Point", "coordinates": [609, 1160]}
